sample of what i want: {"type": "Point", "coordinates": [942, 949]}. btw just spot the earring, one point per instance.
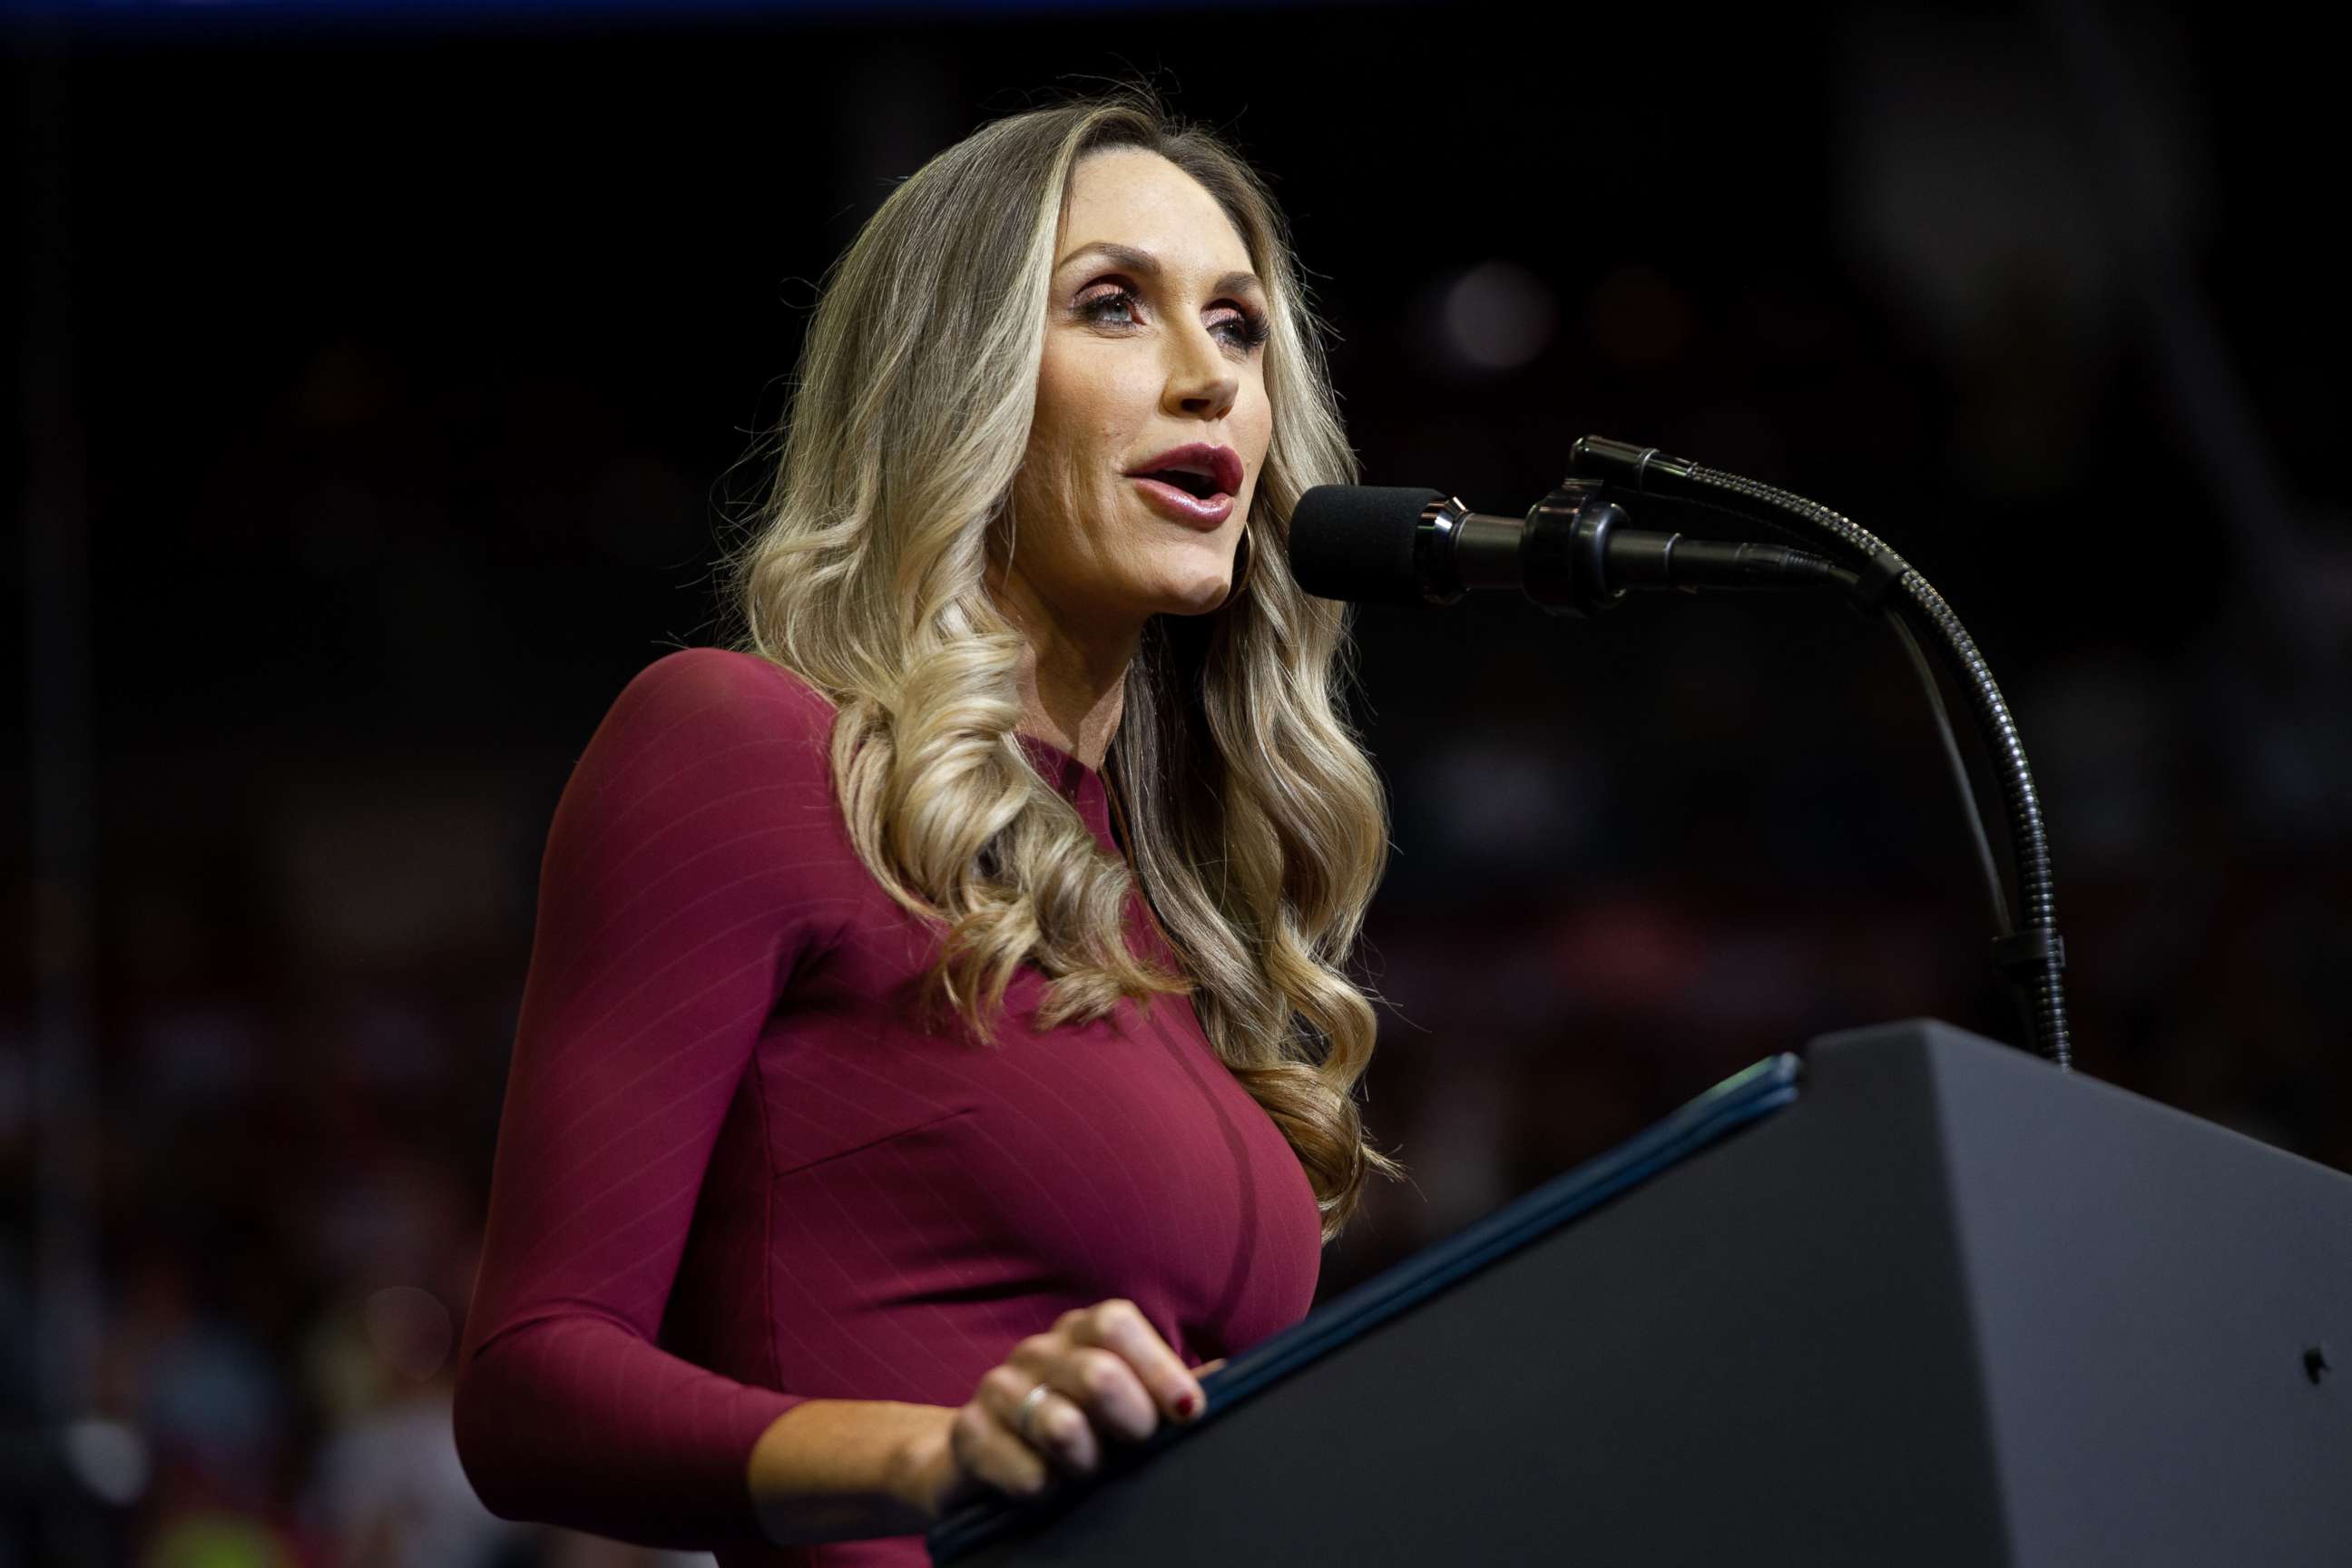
{"type": "Point", "coordinates": [1246, 552]}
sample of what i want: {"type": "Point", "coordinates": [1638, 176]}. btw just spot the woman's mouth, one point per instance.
{"type": "Point", "coordinates": [1182, 506]}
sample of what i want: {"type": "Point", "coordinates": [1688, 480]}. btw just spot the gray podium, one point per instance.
{"type": "Point", "coordinates": [1910, 1296]}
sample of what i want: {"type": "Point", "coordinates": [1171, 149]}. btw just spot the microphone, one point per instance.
{"type": "Point", "coordinates": [1380, 544]}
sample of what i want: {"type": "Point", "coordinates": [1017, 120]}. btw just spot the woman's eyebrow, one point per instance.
{"type": "Point", "coordinates": [1143, 261]}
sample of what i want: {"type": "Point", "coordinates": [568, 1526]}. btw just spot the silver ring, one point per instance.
{"type": "Point", "coordinates": [1026, 1409]}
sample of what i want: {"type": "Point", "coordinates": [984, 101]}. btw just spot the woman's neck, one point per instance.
{"type": "Point", "coordinates": [1072, 682]}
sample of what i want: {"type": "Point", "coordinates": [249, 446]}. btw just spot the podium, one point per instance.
{"type": "Point", "coordinates": [1911, 1297]}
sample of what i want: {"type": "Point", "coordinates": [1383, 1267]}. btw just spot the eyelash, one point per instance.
{"type": "Point", "coordinates": [1254, 328]}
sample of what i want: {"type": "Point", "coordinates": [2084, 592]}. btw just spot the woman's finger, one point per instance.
{"type": "Point", "coordinates": [1120, 1326]}
{"type": "Point", "coordinates": [1060, 1430]}
{"type": "Point", "coordinates": [1053, 1425]}
{"type": "Point", "coordinates": [986, 1448]}
{"type": "Point", "coordinates": [1102, 1384]}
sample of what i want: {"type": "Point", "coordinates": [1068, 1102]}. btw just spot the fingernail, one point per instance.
{"type": "Point", "coordinates": [1188, 1404]}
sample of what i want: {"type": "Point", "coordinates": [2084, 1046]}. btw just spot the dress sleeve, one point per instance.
{"type": "Point", "coordinates": [672, 911]}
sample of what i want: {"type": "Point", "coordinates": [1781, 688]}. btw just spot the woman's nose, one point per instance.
{"type": "Point", "coordinates": [1201, 379]}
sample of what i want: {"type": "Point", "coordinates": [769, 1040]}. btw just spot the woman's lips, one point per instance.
{"type": "Point", "coordinates": [1181, 505]}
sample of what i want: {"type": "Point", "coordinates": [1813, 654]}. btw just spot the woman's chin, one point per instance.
{"type": "Point", "coordinates": [1189, 580]}
{"type": "Point", "coordinates": [1196, 596]}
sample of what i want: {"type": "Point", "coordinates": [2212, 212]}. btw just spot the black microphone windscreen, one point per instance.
{"type": "Point", "coordinates": [1355, 542]}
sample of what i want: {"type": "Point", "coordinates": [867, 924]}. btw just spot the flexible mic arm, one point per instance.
{"type": "Point", "coordinates": [2029, 954]}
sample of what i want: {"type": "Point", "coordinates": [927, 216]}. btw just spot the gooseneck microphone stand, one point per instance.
{"type": "Point", "coordinates": [2027, 951]}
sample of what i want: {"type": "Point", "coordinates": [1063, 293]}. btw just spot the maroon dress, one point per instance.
{"type": "Point", "coordinates": [733, 1173]}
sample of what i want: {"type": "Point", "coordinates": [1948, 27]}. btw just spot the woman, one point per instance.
{"type": "Point", "coordinates": [871, 1143]}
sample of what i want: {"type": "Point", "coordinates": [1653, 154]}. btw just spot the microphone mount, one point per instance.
{"type": "Point", "coordinates": [1576, 553]}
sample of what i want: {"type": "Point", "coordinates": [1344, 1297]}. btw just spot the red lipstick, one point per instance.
{"type": "Point", "coordinates": [1171, 502]}
{"type": "Point", "coordinates": [1194, 484]}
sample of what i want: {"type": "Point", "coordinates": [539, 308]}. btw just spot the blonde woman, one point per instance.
{"type": "Point", "coordinates": [936, 1051]}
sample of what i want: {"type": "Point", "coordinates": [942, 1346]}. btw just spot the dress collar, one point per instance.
{"type": "Point", "coordinates": [1058, 768]}
{"type": "Point", "coordinates": [1075, 782]}
{"type": "Point", "coordinates": [1086, 789]}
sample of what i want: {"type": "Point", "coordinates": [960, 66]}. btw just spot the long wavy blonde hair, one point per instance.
{"type": "Point", "coordinates": [1259, 826]}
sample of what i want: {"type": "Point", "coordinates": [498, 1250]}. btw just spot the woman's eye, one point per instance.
{"type": "Point", "coordinates": [1244, 330]}
{"type": "Point", "coordinates": [1097, 307]}
{"type": "Point", "coordinates": [1249, 329]}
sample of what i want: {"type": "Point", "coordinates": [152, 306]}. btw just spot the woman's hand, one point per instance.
{"type": "Point", "coordinates": [1109, 1378]}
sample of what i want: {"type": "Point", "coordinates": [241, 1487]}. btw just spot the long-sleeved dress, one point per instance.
{"type": "Point", "coordinates": [734, 1173]}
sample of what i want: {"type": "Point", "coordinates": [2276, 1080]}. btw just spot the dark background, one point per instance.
{"type": "Point", "coordinates": [387, 378]}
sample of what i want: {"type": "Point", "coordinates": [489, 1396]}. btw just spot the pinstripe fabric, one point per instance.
{"type": "Point", "coordinates": [733, 1172]}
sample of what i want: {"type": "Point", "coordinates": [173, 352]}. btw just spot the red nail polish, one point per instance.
{"type": "Point", "coordinates": [1186, 1405]}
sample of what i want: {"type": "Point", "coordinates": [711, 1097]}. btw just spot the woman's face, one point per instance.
{"type": "Point", "coordinates": [1144, 353]}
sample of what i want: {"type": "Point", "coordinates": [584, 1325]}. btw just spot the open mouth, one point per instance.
{"type": "Point", "coordinates": [1201, 487]}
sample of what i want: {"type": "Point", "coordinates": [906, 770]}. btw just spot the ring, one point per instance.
{"type": "Point", "coordinates": [1025, 1410]}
